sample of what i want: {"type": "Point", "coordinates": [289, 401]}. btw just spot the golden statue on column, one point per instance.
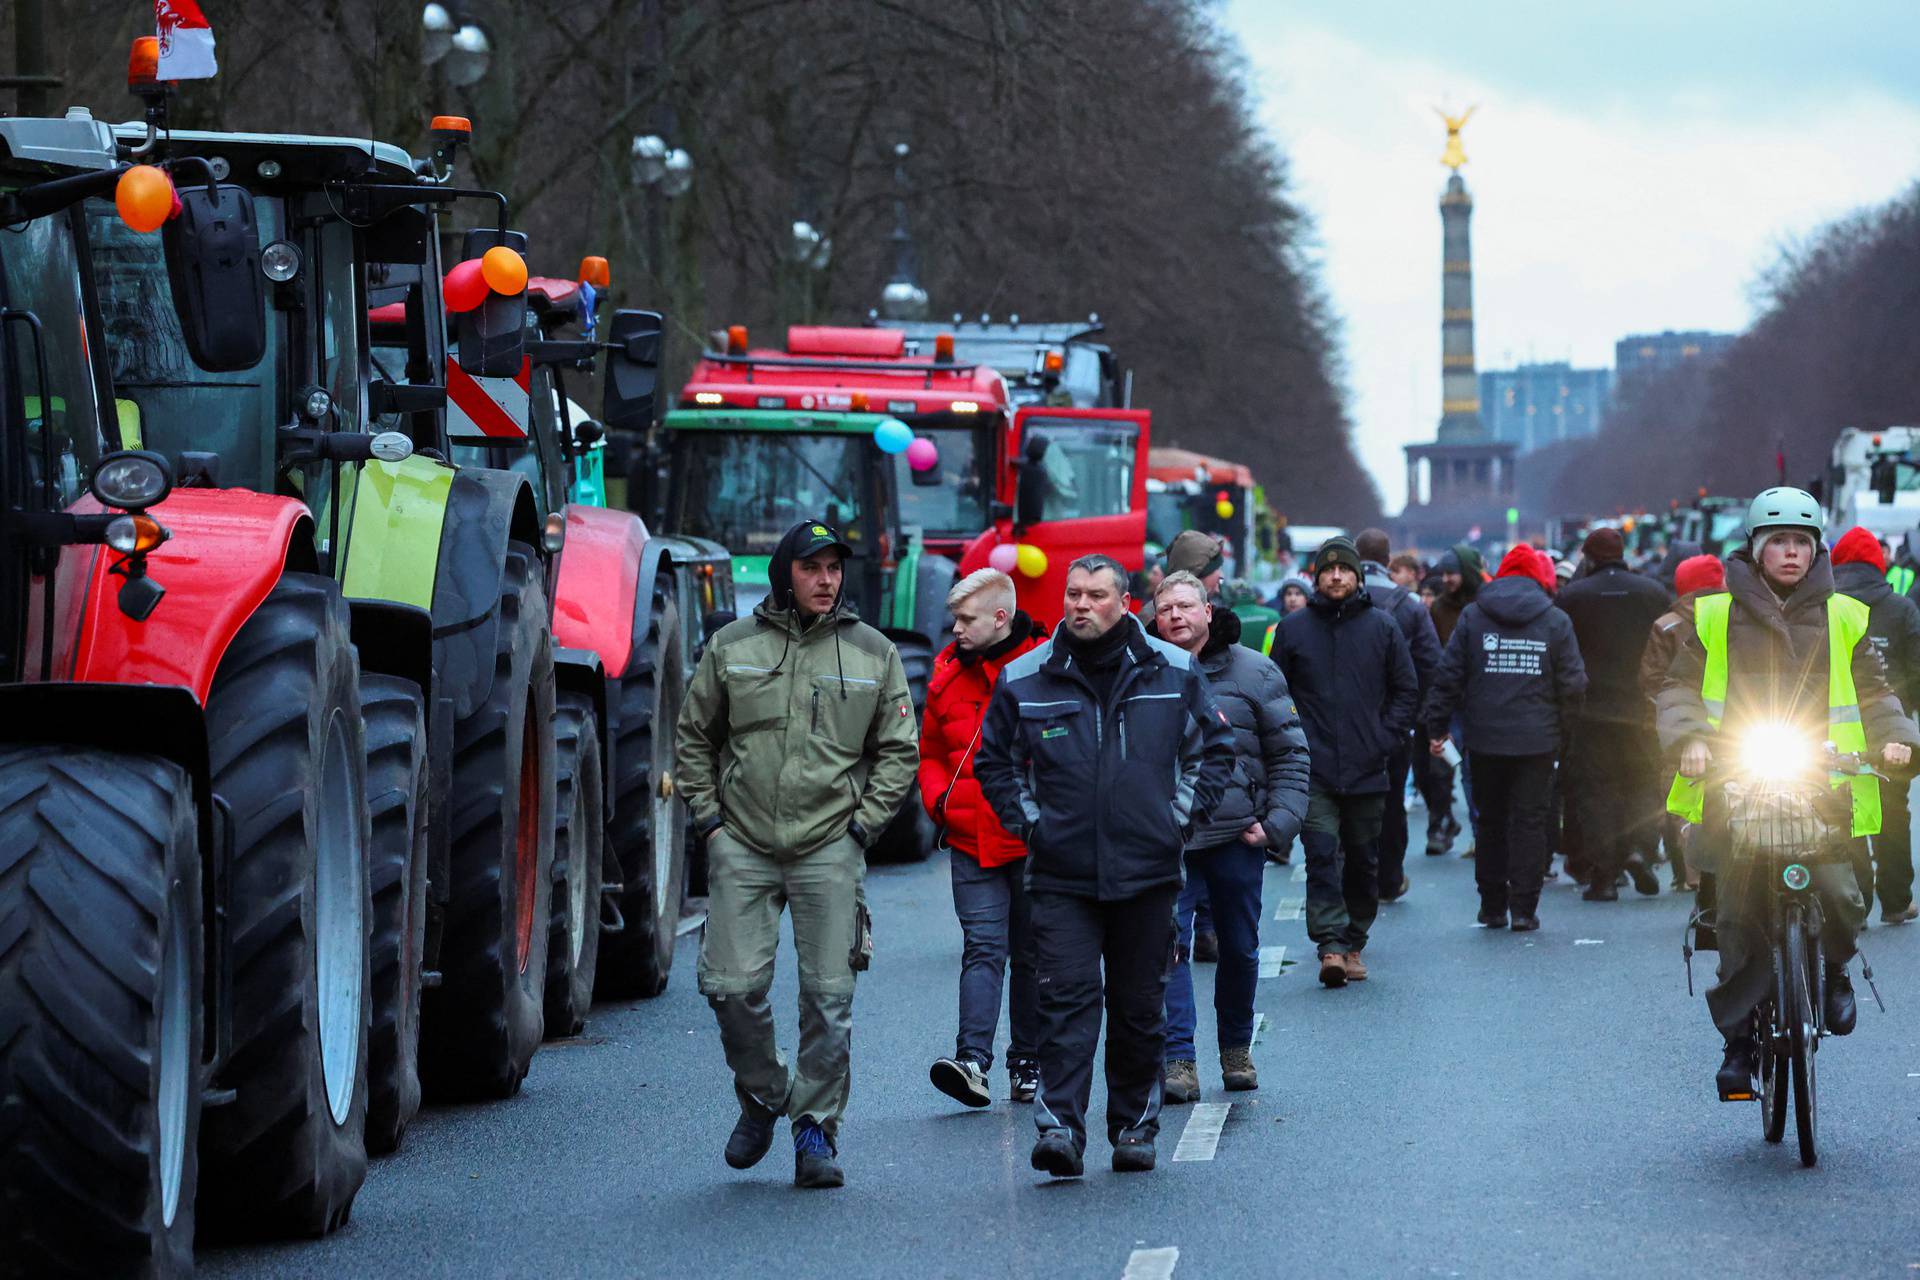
{"type": "Point", "coordinates": [1455, 155]}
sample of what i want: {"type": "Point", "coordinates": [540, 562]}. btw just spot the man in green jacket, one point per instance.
{"type": "Point", "coordinates": [796, 745]}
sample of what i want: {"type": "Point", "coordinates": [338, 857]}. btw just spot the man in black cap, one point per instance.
{"type": "Point", "coordinates": [1352, 677]}
{"type": "Point", "coordinates": [804, 710]}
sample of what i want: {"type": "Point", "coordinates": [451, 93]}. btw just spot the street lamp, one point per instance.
{"type": "Point", "coordinates": [648, 158]}
{"type": "Point", "coordinates": [677, 175]}
{"type": "Point", "coordinates": [468, 56]}
{"type": "Point", "coordinates": [436, 38]}
{"type": "Point", "coordinates": [810, 248]}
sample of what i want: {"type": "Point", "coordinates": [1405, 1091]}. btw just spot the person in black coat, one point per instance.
{"type": "Point", "coordinates": [1893, 625]}
{"type": "Point", "coordinates": [1513, 673]}
{"type": "Point", "coordinates": [1352, 677]}
{"type": "Point", "coordinates": [1416, 624]}
{"type": "Point", "coordinates": [1612, 781]}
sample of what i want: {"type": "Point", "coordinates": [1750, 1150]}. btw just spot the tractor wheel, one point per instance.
{"type": "Point", "coordinates": [481, 1026]}
{"type": "Point", "coordinates": [397, 872]}
{"type": "Point", "coordinates": [102, 1030]}
{"type": "Point", "coordinates": [908, 836]}
{"type": "Point", "coordinates": [648, 838]}
{"type": "Point", "coordinates": [288, 753]}
{"type": "Point", "coordinates": [579, 851]}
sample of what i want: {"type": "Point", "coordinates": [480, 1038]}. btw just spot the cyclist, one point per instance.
{"type": "Point", "coordinates": [1777, 647]}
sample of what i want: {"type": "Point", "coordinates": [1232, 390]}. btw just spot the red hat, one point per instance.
{"type": "Point", "coordinates": [1856, 544]}
{"type": "Point", "coordinates": [1699, 573]}
{"type": "Point", "coordinates": [1525, 562]}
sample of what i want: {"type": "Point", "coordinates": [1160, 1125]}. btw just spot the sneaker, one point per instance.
{"type": "Point", "coordinates": [1842, 1011]}
{"type": "Point", "coordinates": [813, 1162]}
{"type": "Point", "coordinates": [1642, 875]}
{"type": "Point", "coordinates": [1237, 1071]}
{"type": "Point", "coordinates": [1734, 1080]}
{"type": "Point", "coordinates": [1056, 1153]}
{"type": "Point", "coordinates": [1493, 919]}
{"type": "Point", "coordinates": [1525, 922]}
{"type": "Point", "coordinates": [1356, 967]}
{"type": "Point", "coordinates": [1406, 884]}
{"type": "Point", "coordinates": [1905, 915]}
{"type": "Point", "coordinates": [1181, 1082]}
{"type": "Point", "coordinates": [1023, 1079]}
{"type": "Point", "coordinates": [751, 1139]}
{"type": "Point", "coordinates": [1133, 1155]}
{"type": "Point", "coordinates": [962, 1080]}
{"type": "Point", "coordinates": [1333, 970]}
{"type": "Point", "coordinates": [1206, 948]}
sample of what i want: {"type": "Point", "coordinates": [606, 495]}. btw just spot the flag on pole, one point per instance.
{"type": "Point", "coordinates": [186, 41]}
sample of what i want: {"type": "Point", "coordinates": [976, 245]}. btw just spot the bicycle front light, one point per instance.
{"type": "Point", "coordinates": [1772, 752]}
{"type": "Point", "coordinates": [1796, 877]}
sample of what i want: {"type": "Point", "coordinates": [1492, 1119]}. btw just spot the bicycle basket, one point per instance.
{"type": "Point", "coordinates": [1776, 819]}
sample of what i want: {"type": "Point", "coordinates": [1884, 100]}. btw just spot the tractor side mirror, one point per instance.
{"type": "Point", "coordinates": [633, 370]}
{"type": "Point", "coordinates": [213, 268]}
{"type": "Point", "coordinates": [1885, 474]}
{"type": "Point", "coordinates": [493, 336]}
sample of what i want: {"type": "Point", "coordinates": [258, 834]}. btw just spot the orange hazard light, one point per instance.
{"type": "Point", "coordinates": [1055, 362]}
{"type": "Point", "coordinates": [736, 339]}
{"type": "Point", "coordinates": [595, 271]}
{"type": "Point", "coordinates": [143, 63]}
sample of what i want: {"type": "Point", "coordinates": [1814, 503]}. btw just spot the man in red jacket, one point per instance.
{"type": "Point", "coordinates": [989, 865]}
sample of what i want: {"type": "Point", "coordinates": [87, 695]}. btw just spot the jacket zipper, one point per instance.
{"type": "Point", "coordinates": [816, 711]}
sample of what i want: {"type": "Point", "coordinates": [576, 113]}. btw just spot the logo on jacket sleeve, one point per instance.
{"type": "Point", "coordinates": [906, 711]}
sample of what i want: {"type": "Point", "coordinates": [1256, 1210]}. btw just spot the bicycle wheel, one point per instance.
{"type": "Point", "coordinates": [1802, 1035]}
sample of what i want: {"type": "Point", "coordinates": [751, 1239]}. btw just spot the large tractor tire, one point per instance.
{"type": "Point", "coordinates": [285, 740]}
{"type": "Point", "coordinates": [395, 716]}
{"type": "Point", "coordinates": [579, 852]}
{"type": "Point", "coordinates": [648, 838]}
{"type": "Point", "coordinates": [101, 1028]}
{"type": "Point", "coordinates": [908, 836]}
{"type": "Point", "coordinates": [481, 1025]}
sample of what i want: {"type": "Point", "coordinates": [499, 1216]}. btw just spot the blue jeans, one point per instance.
{"type": "Point", "coordinates": [1230, 876]}
{"type": "Point", "coordinates": [997, 935]}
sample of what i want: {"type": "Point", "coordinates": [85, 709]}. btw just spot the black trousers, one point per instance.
{"type": "Point", "coordinates": [1613, 792]}
{"type": "Point", "coordinates": [1515, 797]}
{"type": "Point", "coordinates": [1074, 938]}
{"type": "Point", "coordinates": [1393, 821]}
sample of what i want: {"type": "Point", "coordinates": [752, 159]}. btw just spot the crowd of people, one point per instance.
{"type": "Point", "coordinates": [1108, 797]}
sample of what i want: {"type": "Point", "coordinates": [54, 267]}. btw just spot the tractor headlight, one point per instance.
{"type": "Point", "coordinates": [131, 480]}
{"type": "Point", "coordinates": [279, 261]}
{"type": "Point", "coordinates": [1772, 752]}
{"type": "Point", "coordinates": [314, 403]}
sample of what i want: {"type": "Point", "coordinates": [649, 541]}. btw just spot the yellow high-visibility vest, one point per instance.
{"type": "Point", "coordinates": [1846, 626]}
{"type": "Point", "coordinates": [1901, 578]}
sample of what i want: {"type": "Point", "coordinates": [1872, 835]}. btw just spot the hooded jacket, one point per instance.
{"type": "Point", "coordinates": [1613, 611]}
{"type": "Point", "coordinates": [1448, 608]}
{"type": "Point", "coordinates": [1511, 670]}
{"type": "Point", "coordinates": [1352, 677]}
{"type": "Point", "coordinates": [796, 731]}
{"type": "Point", "coordinates": [1103, 788]}
{"type": "Point", "coordinates": [1776, 666]}
{"type": "Point", "coordinates": [1893, 621]}
{"type": "Point", "coordinates": [1268, 780]}
{"type": "Point", "coordinates": [1411, 616]}
{"type": "Point", "coordinates": [957, 695]}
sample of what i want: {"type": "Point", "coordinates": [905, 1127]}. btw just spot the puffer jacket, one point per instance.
{"type": "Point", "coordinates": [1414, 619]}
{"type": "Point", "coordinates": [1512, 671]}
{"type": "Point", "coordinates": [1893, 625]}
{"type": "Point", "coordinates": [794, 733]}
{"type": "Point", "coordinates": [1613, 610]}
{"type": "Point", "coordinates": [1268, 781]}
{"type": "Point", "coordinates": [1352, 677]}
{"type": "Point", "coordinates": [957, 695]}
{"type": "Point", "coordinates": [1103, 790]}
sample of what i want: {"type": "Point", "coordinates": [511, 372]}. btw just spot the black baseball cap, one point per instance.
{"type": "Point", "coordinates": [812, 536]}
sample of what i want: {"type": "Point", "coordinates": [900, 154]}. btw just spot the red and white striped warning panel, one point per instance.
{"type": "Point", "coordinates": [488, 408]}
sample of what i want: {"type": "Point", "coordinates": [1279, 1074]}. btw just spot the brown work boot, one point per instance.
{"type": "Point", "coordinates": [1182, 1081]}
{"type": "Point", "coordinates": [1333, 970]}
{"type": "Point", "coordinates": [1356, 967]}
{"type": "Point", "coordinates": [1236, 1069]}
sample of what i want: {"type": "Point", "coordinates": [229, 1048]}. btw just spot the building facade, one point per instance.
{"type": "Point", "coordinates": [1536, 405]}
{"type": "Point", "coordinates": [1647, 355]}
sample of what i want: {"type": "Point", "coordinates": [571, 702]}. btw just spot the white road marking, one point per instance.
{"type": "Point", "coordinates": [1291, 909]}
{"type": "Point", "coordinates": [1260, 1025]}
{"type": "Point", "coordinates": [1202, 1134]}
{"type": "Point", "coordinates": [1299, 875]}
{"type": "Point", "coordinates": [1270, 961]}
{"type": "Point", "coordinates": [1151, 1264]}
{"type": "Point", "coordinates": [1589, 942]}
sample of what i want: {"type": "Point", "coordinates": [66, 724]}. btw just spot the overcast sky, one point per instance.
{"type": "Point", "coordinates": [1634, 165]}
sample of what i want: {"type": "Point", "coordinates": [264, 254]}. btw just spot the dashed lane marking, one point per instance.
{"type": "Point", "coordinates": [1291, 909]}
{"type": "Point", "coordinates": [1299, 875]}
{"type": "Point", "coordinates": [1271, 958]}
{"type": "Point", "coordinates": [1151, 1264]}
{"type": "Point", "coordinates": [1589, 942]}
{"type": "Point", "coordinates": [1201, 1137]}
{"type": "Point", "coordinates": [1260, 1026]}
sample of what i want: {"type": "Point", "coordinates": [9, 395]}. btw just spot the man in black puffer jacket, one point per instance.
{"type": "Point", "coordinates": [1263, 807]}
{"type": "Point", "coordinates": [1352, 677]}
{"type": "Point", "coordinates": [1513, 672]}
{"type": "Point", "coordinates": [1416, 624]}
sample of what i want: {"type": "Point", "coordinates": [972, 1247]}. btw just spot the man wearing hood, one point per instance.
{"type": "Point", "coordinates": [1611, 782]}
{"type": "Point", "coordinates": [796, 745]}
{"type": "Point", "coordinates": [1893, 625]}
{"type": "Point", "coordinates": [1352, 677]}
{"type": "Point", "coordinates": [1416, 624]}
{"type": "Point", "coordinates": [1512, 673]}
{"type": "Point", "coordinates": [1462, 573]}
{"type": "Point", "coordinates": [1762, 650]}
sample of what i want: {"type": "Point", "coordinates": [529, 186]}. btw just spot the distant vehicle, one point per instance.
{"type": "Point", "coordinates": [1054, 363]}
{"type": "Point", "coordinates": [1873, 480]}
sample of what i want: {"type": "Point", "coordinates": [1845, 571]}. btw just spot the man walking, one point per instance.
{"type": "Point", "coordinates": [989, 865]}
{"type": "Point", "coordinates": [1512, 673]}
{"type": "Point", "coordinates": [1352, 677]}
{"type": "Point", "coordinates": [1263, 807]}
{"type": "Point", "coordinates": [1611, 778]}
{"type": "Point", "coordinates": [1423, 642]}
{"type": "Point", "coordinates": [795, 745]}
{"type": "Point", "coordinates": [1101, 749]}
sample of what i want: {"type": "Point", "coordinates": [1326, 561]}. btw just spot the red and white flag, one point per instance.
{"type": "Point", "coordinates": [186, 41]}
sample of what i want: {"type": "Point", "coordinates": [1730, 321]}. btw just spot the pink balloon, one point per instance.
{"type": "Point", "coordinates": [465, 286]}
{"type": "Point", "coordinates": [1005, 557]}
{"type": "Point", "coordinates": [923, 454]}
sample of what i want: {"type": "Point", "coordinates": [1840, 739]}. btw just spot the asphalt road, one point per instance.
{"type": "Point", "coordinates": [1487, 1104]}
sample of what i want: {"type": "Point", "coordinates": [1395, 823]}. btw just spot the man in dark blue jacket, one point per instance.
{"type": "Point", "coordinates": [1416, 624]}
{"type": "Point", "coordinates": [1352, 677]}
{"type": "Point", "coordinates": [1100, 751]}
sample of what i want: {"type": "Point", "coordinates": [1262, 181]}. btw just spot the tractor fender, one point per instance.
{"type": "Point", "coordinates": [655, 559]}
{"type": "Point", "coordinates": [486, 510]}
{"type": "Point", "coordinates": [598, 577]}
{"type": "Point", "coordinates": [580, 671]}
{"type": "Point", "coordinates": [228, 549]}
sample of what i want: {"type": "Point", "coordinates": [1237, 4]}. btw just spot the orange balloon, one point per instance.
{"type": "Point", "coordinates": [505, 270]}
{"type": "Point", "coordinates": [144, 197]}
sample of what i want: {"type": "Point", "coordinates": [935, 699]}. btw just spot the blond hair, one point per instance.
{"type": "Point", "coordinates": [1181, 578]}
{"type": "Point", "coordinates": [991, 582]}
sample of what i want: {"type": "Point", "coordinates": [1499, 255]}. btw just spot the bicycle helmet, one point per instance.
{"type": "Point", "coordinates": [1783, 507]}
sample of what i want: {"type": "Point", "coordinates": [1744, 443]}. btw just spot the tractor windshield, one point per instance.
{"type": "Point", "coordinates": [1089, 467]}
{"type": "Point", "coordinates": [173, 404]}
{"type": "Point", "coordinates": [956, 506]}
{"type": "Point", "coordinates": [39, 272]}
{"type": "Point", "coordinates": [744, 489]}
